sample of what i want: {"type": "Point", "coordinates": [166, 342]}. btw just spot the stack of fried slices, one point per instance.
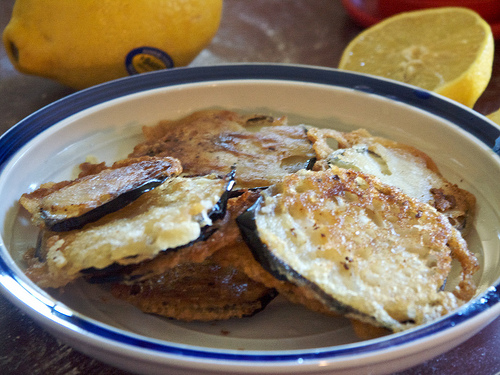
{"type": "Point", "coordinates": [215, 214]}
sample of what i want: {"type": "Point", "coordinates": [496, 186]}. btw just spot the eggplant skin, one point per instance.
{"type": "Point", "coordinates": [120, 273]}
{"type": "Point", "coordinates": [69, 205]}
{"type": "Point", "coordinates": [173, 215]}
{"type": "Point", "coordinates": [362, 248]}
{"type": "Point", "coordinates": [95, 214]}
{"type": "Point", "coordinates": [250, 234]}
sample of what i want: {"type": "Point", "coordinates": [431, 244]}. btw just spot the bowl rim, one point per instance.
{"type": "Point", "coordinates": [11, 141]}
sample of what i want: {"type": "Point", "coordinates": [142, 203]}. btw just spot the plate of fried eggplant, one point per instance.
{"type": "Point", "coordinates": [253, 218]}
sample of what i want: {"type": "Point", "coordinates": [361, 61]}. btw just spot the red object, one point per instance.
{"type": "Point", "coordinates": [369, 12]}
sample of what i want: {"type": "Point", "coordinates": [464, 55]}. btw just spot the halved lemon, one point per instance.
{"type": "Point", "coordinates": [447, 50]}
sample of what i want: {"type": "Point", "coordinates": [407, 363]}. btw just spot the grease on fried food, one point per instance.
{"type": "Point", "coordinates": [262, 148]}
{"type": "Point", "coordinates": [204, 291]}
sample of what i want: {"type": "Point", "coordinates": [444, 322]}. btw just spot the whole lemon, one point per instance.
{"type": "Point", "coordinates": [81, 43]}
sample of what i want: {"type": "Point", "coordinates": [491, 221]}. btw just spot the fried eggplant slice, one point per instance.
{"type": "Point", "coordinates": [223, 233]}
{"type": "Point", "coordinates": [204, 291]}
{"type": "Point", "coordinates": [172, 215]}
{"type": "Point", "coordinates": [362, 248]}
{"type": "Point", "coordinates": [69, 205]}
{"type": "Point", "coordinates": [262, 148]}
{"type": "Point", "coordinates": [396, 164]}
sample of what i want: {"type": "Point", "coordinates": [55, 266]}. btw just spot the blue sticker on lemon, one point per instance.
{"type": "Point", "coordinates": [147, 59]}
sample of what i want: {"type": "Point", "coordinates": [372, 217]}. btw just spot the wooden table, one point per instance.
{"type": "Point", "coordinates": [289, 31]}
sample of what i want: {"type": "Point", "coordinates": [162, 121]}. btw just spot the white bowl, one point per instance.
{"type": "Point", "coordinates": [105, 121]}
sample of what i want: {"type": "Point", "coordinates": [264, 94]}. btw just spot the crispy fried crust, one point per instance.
{"type": "Point", "coordinates": [226, 248]}
{"type": "Point", "coordinates": [203, 291]}
{"type": "Point", "coordinates": [239, 256]}
{"type": "Point", "coordinates": [169, 216]}
{"type": "Point", "coordinates": [262, 148]}
{"type": "Point", "coordinates": [399, 165]}
{"type": "Point", "coordinates": [66, 200]}
{"type": "Point", "coordinates": [225, 234]}
{"type": "Point", "coordinates": [362, 247]}
{"type": "Point", "coordinates": [201, 282]}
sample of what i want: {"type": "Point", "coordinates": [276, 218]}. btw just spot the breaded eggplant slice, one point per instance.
{"type": "Point", "coordinates": [363, 248]}
{"type": "Point", "coordinates": [223, 233]}
{"type": "Point", "coordinates": [262, 148]}
{"type": "Point", "coordinates": [167, 217]}
{"type": "Point", "coordinates": [397, 164]}
{"type": "Point", "coordinates": [203, 291]}
{"type": "Point", "coordinates": [69, 205]}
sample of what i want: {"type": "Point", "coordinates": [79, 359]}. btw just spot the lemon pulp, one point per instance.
{"type": "Point", "coordinates": [446, 50]}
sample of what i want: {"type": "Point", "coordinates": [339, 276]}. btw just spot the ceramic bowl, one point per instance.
{"type": "Point", "coordinates": [105, 122]}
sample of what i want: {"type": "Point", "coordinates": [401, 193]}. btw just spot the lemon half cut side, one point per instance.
{"type": "Point", "coordinates": [446, 50]}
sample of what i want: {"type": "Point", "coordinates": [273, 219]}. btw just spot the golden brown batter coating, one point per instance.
{"type": "Point", "coordinates": [203, 291]}
{"type": "Point", "coordinates": [262, 148]}
{"type": "Point", "coordinates": [226, 235]}
{"type": "Point", "coordinates": [397, 164]}
{"type": "Point", "coordinates": [365, 249]}
{"type": "Point", "coordinates": [100, 185]}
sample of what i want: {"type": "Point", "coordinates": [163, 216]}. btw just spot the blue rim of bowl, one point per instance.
{"type": "Point", "coordinates": [44, 118]}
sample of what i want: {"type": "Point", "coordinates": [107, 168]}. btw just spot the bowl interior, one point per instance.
{"type": "Point", "coordinates": [108, 132]}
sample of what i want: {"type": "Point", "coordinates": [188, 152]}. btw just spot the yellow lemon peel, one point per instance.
{"type": "Point", "coordinates": [446, 50]}
{"type": "Point", "coordinates": [81, 43]}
